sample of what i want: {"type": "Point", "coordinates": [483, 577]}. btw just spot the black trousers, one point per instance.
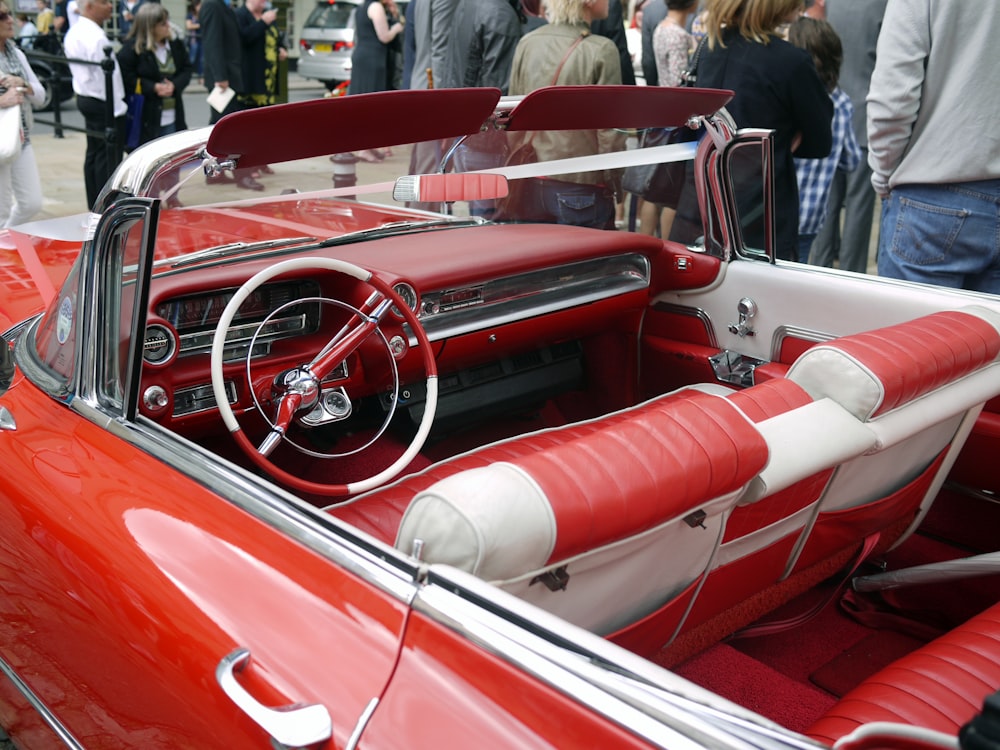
{"type": "Point", "coordinates": [103, 156]}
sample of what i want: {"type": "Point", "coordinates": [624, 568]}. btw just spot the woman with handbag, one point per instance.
{"type": "Point", "coordinates": [156, 66]}
{"type": "Point", "coordinates": [565, 53]}
{"type": "Point", "coordinates": [20, 185]}
{"type": "Point", "coordinates": [672, 48]}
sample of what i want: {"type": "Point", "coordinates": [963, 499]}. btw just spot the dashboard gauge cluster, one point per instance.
{"type": "Point", "coordinates": [185, 325]}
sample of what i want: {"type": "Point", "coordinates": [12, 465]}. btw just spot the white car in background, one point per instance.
{"type": "Point", "coordinates": [327, 40]}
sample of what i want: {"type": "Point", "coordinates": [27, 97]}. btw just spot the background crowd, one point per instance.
{"type": "Point", "coordinates": [873, 103]}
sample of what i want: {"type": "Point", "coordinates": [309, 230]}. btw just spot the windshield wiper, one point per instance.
{"type": "Point", "coordinates": [401, 227]}
{"type": "Point", "coordinates": [231, 248]}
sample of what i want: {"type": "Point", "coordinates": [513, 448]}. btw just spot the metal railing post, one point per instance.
{"type": "Point", "coordinates": [55, 82]}
{"type": "Point", "coordinates": [110, 131]}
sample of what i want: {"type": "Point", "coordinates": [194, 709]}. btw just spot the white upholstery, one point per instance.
{"type": "Point", "coordinates": [496, 523]}
{"type": "Point", "coordinates": [805, 441]}
{"type": "Point", "coordinates": [824, 371]}
{"type": "Point", "coordinates": [493, 522]}
{"type": "Point", "coordinates": [961, 395]}
{"type": "Point", "coordinates": [911, 432]}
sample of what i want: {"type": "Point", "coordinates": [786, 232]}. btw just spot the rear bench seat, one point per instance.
{"type": "Point", "coordinates": [940, 686]}
{"type": "Point", "coordinates": [918, 386]}
{"type": "Point", "coordinates": [601, 522]}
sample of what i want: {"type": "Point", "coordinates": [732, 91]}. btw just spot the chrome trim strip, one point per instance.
{"type": "Point", "coordinates": [366, 715]}
{"type": "Point", "coordinates": [514, 298]}
{"type": "Point", "coordinates": [237, 335]}
{"type": "Point", "coordinates": [631, 692]}
{"type": "Point", "coordinates": [139, 170]}
{"type": "Point", "coordinates": [17, 329]}
{"type": "Point", "coordinates": [47, 716]}
{"type": "Point", "coordinates": [694, 312]}
{"type": "Point", "coordinates": [783, 332]}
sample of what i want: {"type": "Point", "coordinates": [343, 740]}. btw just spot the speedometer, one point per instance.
{"type": "Point", "coordinates": [408, 294]}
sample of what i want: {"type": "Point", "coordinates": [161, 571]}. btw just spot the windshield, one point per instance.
{"type": "Point", "coordinates": [623, 174]}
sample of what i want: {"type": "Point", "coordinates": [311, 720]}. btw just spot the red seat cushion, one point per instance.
{"type": "Point", "coordinates": [770, 398]}
{"type": "Point", "coordinates": [940, 686]}
{"type": "Point", "coordinates": [894, 365]}
{"type": "Point", "coordinates": [693, 444]}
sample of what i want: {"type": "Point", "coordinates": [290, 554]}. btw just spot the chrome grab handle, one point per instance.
{"type": "Point", "coordinates": [291, 726]}
{"type": "Point", "coordinates": [747, 308]}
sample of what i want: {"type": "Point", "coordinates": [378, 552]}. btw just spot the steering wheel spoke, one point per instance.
{"type": "Point", "coordinates": [357, 330]}
{"type": "Point", "coordinates": [288, 404]}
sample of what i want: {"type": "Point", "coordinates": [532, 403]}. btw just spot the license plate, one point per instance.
{"type": "Point", "coordinates": [323, 47]}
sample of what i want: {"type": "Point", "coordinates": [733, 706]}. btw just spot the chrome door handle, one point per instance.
{"type": "Point", "coordinates": [296, 725]}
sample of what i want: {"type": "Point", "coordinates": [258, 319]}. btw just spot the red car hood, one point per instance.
{"type": "Point", "coordinates": [31, 270]}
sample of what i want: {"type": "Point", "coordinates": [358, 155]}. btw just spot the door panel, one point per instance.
{"type": "Point", "coordinates": [797, 305]}
{"type": "Point", "coordinates": [447, 692]}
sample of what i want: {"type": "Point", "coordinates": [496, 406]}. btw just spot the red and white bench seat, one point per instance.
{"type": "Point", "coordinates": [918, 386]}
{"type": "Point", "coordinates": [627, 510]}
{"type": "Point", "coordinates": [940, 686]}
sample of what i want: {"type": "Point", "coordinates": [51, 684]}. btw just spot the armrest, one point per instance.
{"type": "Point", "coordinates": [805, 441]}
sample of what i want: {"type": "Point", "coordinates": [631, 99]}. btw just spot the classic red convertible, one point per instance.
{"type": "Point", "coordinates": [425, 452]}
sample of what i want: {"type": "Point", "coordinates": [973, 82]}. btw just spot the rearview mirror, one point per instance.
{"type": "Point", "coordinates": [447, 188]}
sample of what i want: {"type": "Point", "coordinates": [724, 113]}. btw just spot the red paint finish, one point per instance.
{"type": "Point", "coordinates": [122, 595]}
{"type": "Point", "coordinates": [489, 702]}
{"type": "Point", "coordinates": [28, 264]}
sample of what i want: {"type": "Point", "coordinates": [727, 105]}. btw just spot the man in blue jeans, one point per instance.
{"type": "Point", "coordinates": [934, 147]}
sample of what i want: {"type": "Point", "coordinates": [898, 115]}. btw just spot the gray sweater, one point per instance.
{"type": "Point", "coordinates": [934, 94]}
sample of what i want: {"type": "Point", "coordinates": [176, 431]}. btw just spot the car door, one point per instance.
{"type": "Point", "coordinates": [152, 595]}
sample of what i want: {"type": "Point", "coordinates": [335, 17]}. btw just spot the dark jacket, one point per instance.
{"type": "Point", "coordinates": [145, 69]}
{"type": "Point", "coordinates": [253, 33]}
{"type": "Point", "coordinates": [613, 27]}
{"type": "Point", "coordinates": [652, 14]}
{"type": "Point", "coordinates": [776, 87]}
{"type": "Point", "coordinates": [222, 48]}
{"type": "Point", "coordinates": [488, 33]}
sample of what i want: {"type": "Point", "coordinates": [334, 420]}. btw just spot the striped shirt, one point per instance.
{"type": "Point", "coordinates": [815, 176]}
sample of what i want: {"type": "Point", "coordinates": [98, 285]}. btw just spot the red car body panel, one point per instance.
{"type": "Point", "coordinates": [31, 269]}
{"type": "Point", "coordinates": [142, 549]}
{"type": "Point", "coordinates": [167, 556]}
{"type": "Point", "coordinates": [493, 704]}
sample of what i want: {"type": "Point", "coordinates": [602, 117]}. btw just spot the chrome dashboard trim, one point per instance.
{"type": "Point", "coordinates": [239, 335]}
{"type": "Point", "coordinates": [479, 306]}
{"type": "Point", "coordinates": [200, 398]}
